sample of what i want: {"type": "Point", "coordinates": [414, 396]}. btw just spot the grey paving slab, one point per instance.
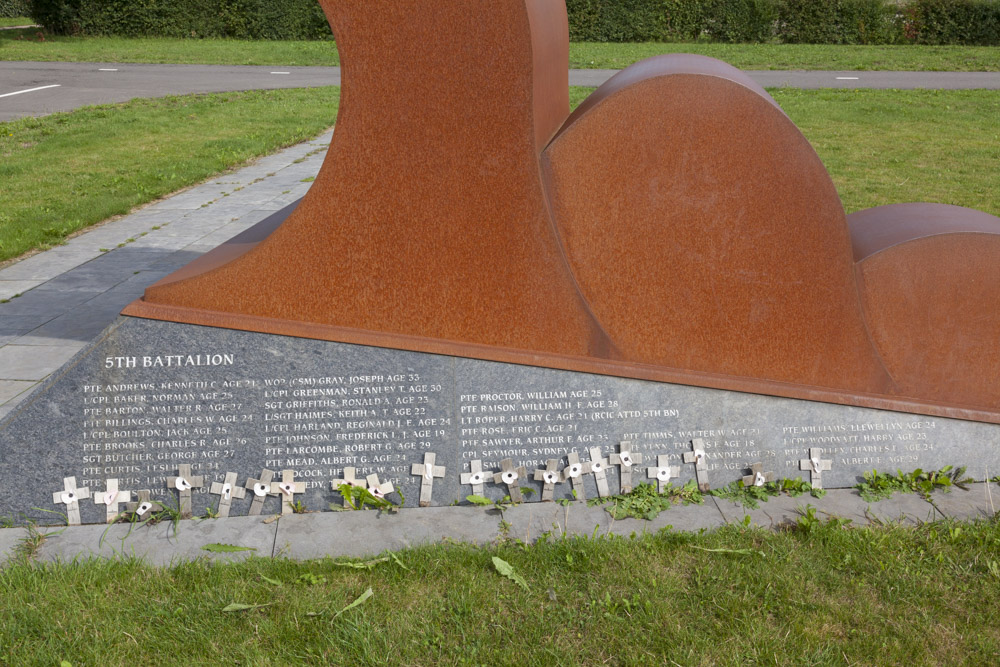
{"type": "Point", "coordinates": [82, 279]}
{"type": "Point", "coordinates": [10, 539]}
{"type": "Point", "coordinates": [11, 288]}
{"type": "Point", "coordinates": [44, 266]}
{"type": "Point", "coordinates": [162, 544]}
{"type": "Point", "coordinates": [6, 408]}
{"type": "Point", "coordinates": [367, 533]}
{"type": "Point", "coordinates": [777, 513]}
{"type": "Point", "coordinates": [12, 388]}
{"type": "Point", "coordinates": [18, 325]}
{"type": "Point", "coordinates": [40, 302]}
{"type": "Point", "coordinates": [530, 521]}
{"type": "Point", "coordinates": [843, 503]}
{"type": "Point", "coordinates": [84, 322]}
{"type": "Point", "coordinates": [981, 501]}
{"type": "Point", "coordinates": [32, 362]}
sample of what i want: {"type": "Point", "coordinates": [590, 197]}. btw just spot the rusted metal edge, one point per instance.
{"type": "Point", "coordinates": [875, 230]}
{"type": "Point", "coordinates": [182, 315]}
{"type": "Point", "coordinates": [671, 64]}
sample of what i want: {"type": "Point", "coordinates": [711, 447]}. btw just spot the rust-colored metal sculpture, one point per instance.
{"type": "Point", "coordinates": [676, 227]}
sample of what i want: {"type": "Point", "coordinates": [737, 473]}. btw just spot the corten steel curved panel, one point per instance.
{"type": "Point", "coordinates": [428, 217]}
{"type": "Point", "coordinates": [699, 239]}
{"type": "Point", "coordinates": [930, 277]}
{"type": "Point", "coordinates": [688, 202]}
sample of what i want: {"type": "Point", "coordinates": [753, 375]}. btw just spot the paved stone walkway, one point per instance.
{"type": "Point", "coordinates": [59, 300]}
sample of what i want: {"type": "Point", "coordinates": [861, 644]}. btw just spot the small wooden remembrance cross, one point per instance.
{"type": "Point", "coordinates": [511, 476]}
{"type": "Point", "coordinates": [427, 471]}
{"type": "Point", "coordinates": [663, 472]}
{"type": "Point", "coordinates": [226, 491]}
{"type": "Point", "coordinates": [349, 479]}
{"type": "Point", "coordinates": [378, 489]}
{"type": "Point", "coordinates": [757, 476]}
{"type": "Point", "coordinates": [184, 482]}
{"type": "Point", "coordinates": [112, 498]}
{"type": "Point", "coordinates": [599, 466]}
{"type": "Point", "coordinates": [700, 461]}
{"type": "Point", "coordinates": [476, 477]}
{"type": "Point", "coordinates": [549, 476]}
{"type": "Point", "coordinates": [816, 466]}
{"type": "Point", "coordinates": [625, 459]}
{"type": "Point", "coordinates": [575, 471]}
{"type": "Point", "coordinates": [286, 490]}
{"type": "Point", "coordinates": [142, 505]}
{"type": "Point", "coordinates": [70, 497]}
{"type": "Point", "coordinates": [261, 488]}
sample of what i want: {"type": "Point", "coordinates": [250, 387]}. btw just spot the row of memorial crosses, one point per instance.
{"type": "Point", "coordinates": [510, 475]}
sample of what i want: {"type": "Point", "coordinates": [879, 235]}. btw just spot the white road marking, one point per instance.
{"type": "Point", "coordinates": [280, 72]}
{"type": "Point", "coordinates": [30, 90]}
{"type": "Point", "coordinates": [107, 69]}
{"type": "Point", "coordinates": [848, 78]}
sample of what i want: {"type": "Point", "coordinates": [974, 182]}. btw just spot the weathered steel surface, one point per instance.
{"type": "Point", "coordinates": [930, 282]}
{"type": "Point", "coordinates": [429, 217]}
{"type": "Point", "coordinates": [705, 232]}
{"type": "Point", "coordinates": [677, 227]}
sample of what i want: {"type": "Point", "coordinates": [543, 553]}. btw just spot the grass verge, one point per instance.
{"type": "Point", "coordinates": [6, 22]}
{"type": "Point", "coordinates": [25, 45]}
{"type": "Point", "coordinates": [823, 594]}
{"type": "Point", "coordinates": [593, 55]}
{"type": "Point", "coordinates": [67, 171]}
{"type": "Point", "coordinates": [64, 172]}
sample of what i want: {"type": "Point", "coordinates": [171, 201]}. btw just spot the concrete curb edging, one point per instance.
{"type": "Point", "coordinates": [359, 534]}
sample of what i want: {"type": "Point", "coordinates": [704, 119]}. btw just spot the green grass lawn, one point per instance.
{"type": "Point", "coordinates": [831, 595]}
{"type": "Point", "coordinates": [797, 56]}
{"type": "Point", "coordinates": [17, 20]}
{"type": "Point", "coordinates": [67, 171]}
{"type": "Point", "coordinates": [582, 55]}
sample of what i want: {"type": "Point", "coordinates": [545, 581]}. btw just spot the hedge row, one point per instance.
{"type": "Point", "coordinates": [13, 8]}
{"type": "Point", "coordinates": [792, 21]}
{"type": "Point", "coordinates": [235, 19]}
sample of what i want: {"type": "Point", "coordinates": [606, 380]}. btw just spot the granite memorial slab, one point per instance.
{"type": "Point", "coordinates": [151, 403]}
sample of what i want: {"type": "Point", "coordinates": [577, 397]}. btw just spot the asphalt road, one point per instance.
{"type": "Point", "coordinates": [36, 88]}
